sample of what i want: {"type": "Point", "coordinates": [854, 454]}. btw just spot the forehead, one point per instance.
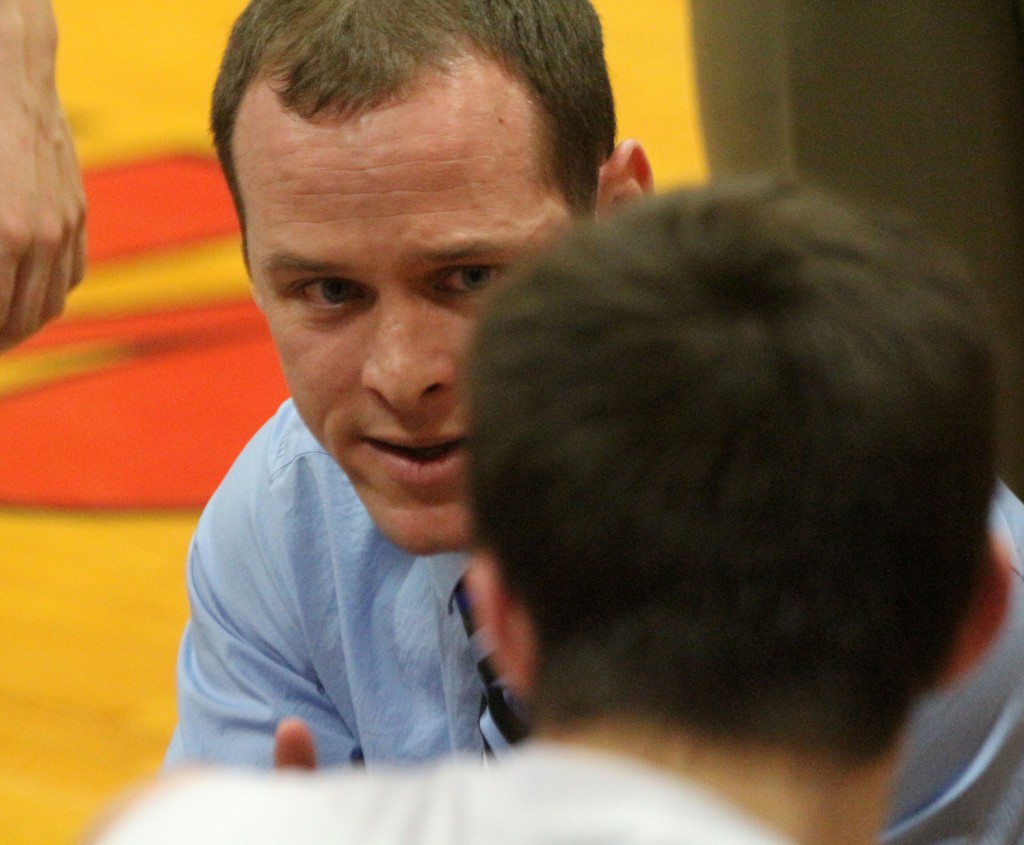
{"type": "Point", "coordinates": [471, 127]}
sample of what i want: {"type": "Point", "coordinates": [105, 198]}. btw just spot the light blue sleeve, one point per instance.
{"type": "Point", "coordinates": [963, 777]}
{"type": "Point", "coordinates": [244, 662]}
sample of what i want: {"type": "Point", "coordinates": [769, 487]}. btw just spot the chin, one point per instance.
{"type": "Point", "coordinates": [432, 531]}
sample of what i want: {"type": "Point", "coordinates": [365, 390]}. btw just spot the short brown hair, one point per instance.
{"type": "Point", "coordinates": [734, 449]}
{"type": "Point", "coordinates": [350, 56]}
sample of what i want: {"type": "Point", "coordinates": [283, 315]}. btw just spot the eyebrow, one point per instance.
{"type": "Point", "coordinates": [447, 255]}
{"type": "Point", "coordinates": [288, 261]}
{"type": "Point", "coordinates": [463, 252]}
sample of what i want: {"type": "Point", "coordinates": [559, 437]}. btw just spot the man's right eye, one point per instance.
{"type": "Point", "coordinates": [331, 291]}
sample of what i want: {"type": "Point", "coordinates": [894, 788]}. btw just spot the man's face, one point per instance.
{"type": "Point", "coordinates": [370, 241]}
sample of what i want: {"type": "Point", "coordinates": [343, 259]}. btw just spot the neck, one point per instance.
{"type": "Point", "coordinates": [807, 799]}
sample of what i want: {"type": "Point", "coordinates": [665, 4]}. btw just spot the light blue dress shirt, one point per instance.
{"type": "Point", "coordinates": [963, 775]}
{"type": "Point", "coordinates": [301, 608]}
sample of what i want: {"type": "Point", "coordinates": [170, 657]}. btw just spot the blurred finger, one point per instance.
{"type": "Point", "coordinates": [70, 185]}
{"type": "Point", "coordinates": [31, 292]}
{"type": "Point", "coordinates": [78, 255]}
{"type": "Point", "coordinates": [8, 279]}
{"type": "Point", "coordinates": [293, 746]}
{"type": "Point", "coordinates": [56, 289]}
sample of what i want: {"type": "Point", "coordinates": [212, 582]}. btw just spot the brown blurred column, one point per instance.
{"type": "Point", "coordinates": [917, 104]}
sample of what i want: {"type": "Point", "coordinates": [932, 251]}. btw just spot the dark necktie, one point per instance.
{"type": "Point", "coordinates": [502, 721]}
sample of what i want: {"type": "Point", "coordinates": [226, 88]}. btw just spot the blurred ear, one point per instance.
{"type": "Point", "coordinates": [985, 617]}
{"type": "Point", "coordinates": [505, 622]}
{"type": "Point", "coordinates": [625, 176]}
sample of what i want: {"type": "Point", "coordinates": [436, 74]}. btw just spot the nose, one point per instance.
{"type": "Point", "coordinates": [411, 359]}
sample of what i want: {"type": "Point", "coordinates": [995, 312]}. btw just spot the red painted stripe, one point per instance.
{"type": "Point", "coordinates": [155, 205]}
{"type": "Point", "coordinates": [155, 430]}
{"type": "Point", "coordinates": [157, 425]}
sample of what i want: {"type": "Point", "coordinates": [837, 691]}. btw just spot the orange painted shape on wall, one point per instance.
{"type": "Point", "coordinates": [156, 204]}
{"type": "Point", "coordinates": [138, 411]}
{"type": "Point", "coordinates": [156, 430]}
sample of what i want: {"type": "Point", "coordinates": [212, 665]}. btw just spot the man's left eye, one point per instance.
{"type": "Point", "coordinates": [474, 278]}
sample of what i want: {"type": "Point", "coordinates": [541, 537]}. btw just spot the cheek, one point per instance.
{"type": "Point", "coordinates": [321, 372]}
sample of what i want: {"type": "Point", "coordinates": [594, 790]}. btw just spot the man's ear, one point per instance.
{"type": "Point", "coordinates": [986, 615]}
{"type": "Point", "coordinates": [504, 622]}
{"type": "Point", "coordinates": [625, 176]}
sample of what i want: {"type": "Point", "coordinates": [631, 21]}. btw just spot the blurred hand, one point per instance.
{"type": "Point", "coordinates": [42, 203]}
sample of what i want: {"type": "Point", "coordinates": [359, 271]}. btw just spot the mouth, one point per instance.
{"type": "Point", "coordinates": [419, 454]}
